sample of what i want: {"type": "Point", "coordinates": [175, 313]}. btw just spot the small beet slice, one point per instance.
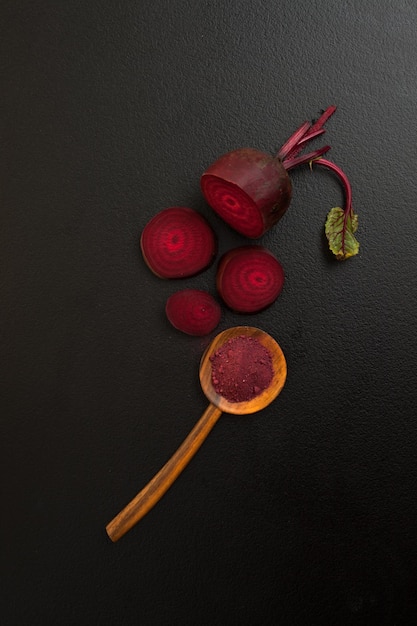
{"type": "Point", "coordinates": [248, 189]}
{"type": "Point", "coordinates": [193, 312]}
{"type": "Point", "coordinates": [249, 278]}
{"type": "Point", "coordinates": [178, 242]}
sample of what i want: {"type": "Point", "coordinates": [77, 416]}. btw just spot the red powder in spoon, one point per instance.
{"type": "Point", "coordinates": [241, 369]}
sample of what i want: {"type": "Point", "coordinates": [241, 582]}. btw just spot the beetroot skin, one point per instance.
{"type": "Point", "coordinates": [248, 189]}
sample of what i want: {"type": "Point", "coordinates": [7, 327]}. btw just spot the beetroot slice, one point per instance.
{"type": "Point", "coordinates": [249, 278]}
{"type": "Point", "coordinates": [248, 189]}
{"type": "Point", "coordinates": [178, 242]}
{"type": "Point", "coordinates": [193, 312]}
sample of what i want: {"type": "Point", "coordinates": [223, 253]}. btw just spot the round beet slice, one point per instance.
{"type": "Point", "coordinates": [248, 189]}
{"type": "Point", "coordinates": [249, 278]}
{"type": "Point", "coordinates": [193, 311]}
{"type": "Point", "coordinates": [178, 242]}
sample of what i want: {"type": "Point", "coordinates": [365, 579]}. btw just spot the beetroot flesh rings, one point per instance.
{"type": "Point", "coordinates": [249, 278]}
{"type": "Point", "coordinates": [193, 312]}
{"type": "Point", "coordinates": [248, 189]}
{"type": "Point", "coordinates": [178, 242]}
{"type": "Point", "coordinates": [241, 369]}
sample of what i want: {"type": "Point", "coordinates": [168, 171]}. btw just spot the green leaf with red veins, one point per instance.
{"type": "Point", "coordinates": [340, 228]}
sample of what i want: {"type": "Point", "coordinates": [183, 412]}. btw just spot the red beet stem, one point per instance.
{"type": "Point", "coordinates": [193, 312]}
{"type": "Point", "coordinates": [344, 181]}
{"type": "Point", "coordinates": [313, 130]}
{"type": "Point", "coordinates": [305, 158]}
{"type": "Point", "coordinates": [293, 141]}
{"type": "Point", "coordinates": [324, 117]}
{"type": "Point", "coordinates": [310, 136]}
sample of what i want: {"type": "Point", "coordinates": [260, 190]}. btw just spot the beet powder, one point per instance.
{"type": "Point", "coordinates": [241, 369]}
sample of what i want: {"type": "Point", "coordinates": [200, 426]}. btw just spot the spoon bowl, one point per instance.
{"type": "Point", "coordinates": [259, 402]}
{"type": "Point", "coordinates": [160, 483]}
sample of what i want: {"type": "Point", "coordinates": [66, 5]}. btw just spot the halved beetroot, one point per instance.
{"type": "Point", "coordinates": [178, 242]}
{"type": "Point", "coordinates": [193, 311]}
{"type": "Point", "coordinates": [249, 189]}
{"type": "Point", "coordinates": [249, 278]}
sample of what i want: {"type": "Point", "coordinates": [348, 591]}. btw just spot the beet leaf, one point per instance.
{"type": "Point", "coordinates": [340, 228]}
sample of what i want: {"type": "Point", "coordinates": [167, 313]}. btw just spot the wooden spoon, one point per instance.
{"type": "Point", "coordinates": [160, 483]}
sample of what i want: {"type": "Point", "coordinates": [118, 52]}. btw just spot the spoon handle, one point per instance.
{"type": "Point", "coordinates": [161, 482]}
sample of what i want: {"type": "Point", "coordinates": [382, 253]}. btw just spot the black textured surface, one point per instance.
{"type": "Point", "coordinates": [303, 514]}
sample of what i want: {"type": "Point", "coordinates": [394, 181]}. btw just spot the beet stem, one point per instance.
{"type": "Point", "coordinates": [344, 181]}
{"type": "Point", "coordinates": [293, 141]}
{"type": "Point", "coordinates": [323, 118]}
{"type": "Point", "coordinates": [305, 158]}
{"type": "Point", "coordinates": [316, 128]}
{"type": "Point", "coordinates": [309, 137]}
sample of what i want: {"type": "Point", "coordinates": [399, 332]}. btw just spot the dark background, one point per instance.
{"type": "Point", "coordinates": [302, 514]}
